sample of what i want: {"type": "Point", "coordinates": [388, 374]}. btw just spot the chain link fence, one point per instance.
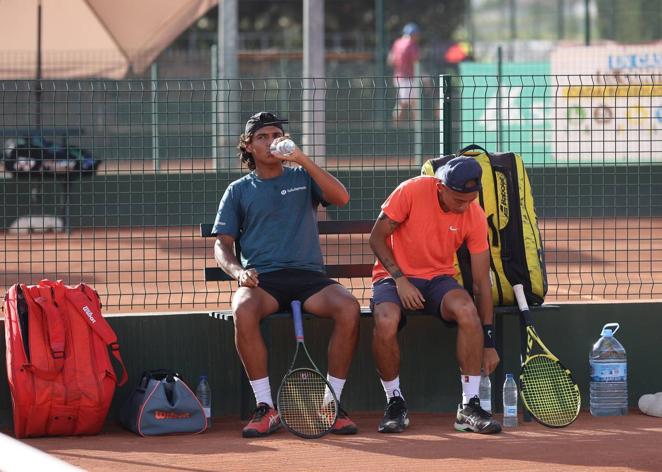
{"type": "Point", "coordinates": [106, 182]}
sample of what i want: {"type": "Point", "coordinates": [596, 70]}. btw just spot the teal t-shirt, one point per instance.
{"type": "Point", "coordinates": [275, 219]}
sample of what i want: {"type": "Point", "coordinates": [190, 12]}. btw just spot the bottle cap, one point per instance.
{"type": "Point", "coordinates": [203, 377]}
{"type": "Point", "coordinates": [509, 376]}
{"type": "Point", "coordinates": [607, 330]}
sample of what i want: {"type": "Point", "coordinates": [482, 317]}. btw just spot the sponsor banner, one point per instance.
{"type": "Point", "coordinates": [607, 104]}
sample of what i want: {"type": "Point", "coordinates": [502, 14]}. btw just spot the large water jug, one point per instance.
{"type": "Point", "coordinates": [609, 375]}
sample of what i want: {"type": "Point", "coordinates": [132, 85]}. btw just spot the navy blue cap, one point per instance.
{"type": "Point", "coordinates": [262, 119]}
{"type": "Point", "coordinates": [410, 28]}
{"type": "Point", "coordinates": [462, 174]}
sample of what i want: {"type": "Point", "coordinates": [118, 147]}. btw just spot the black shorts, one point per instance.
{"type": "Point", "coordinates": [293, 284]}
{"type": "Point", "coordinates": [433, 290]}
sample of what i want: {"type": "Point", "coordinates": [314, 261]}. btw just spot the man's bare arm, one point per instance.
{"type": "Point", "coordinates": [410, 296]}
{"type": "Point", "coordinates": [384, 227]}
{"type": "Point", "coordinates": [333, 191]}
{"type": "Point", "coordinates": [480, 271]}
{"type": "Point", "coordinates": [228, 261]}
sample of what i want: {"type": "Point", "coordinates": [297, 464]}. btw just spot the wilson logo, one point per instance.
{"type": "Point", "coordinates": [89, 314]}
{"type": "Point", "coordinates": [171, 415]}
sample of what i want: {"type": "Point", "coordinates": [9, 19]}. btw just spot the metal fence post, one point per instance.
{"type": "Point", "coordinates": [499, 138]}
{"type": "Point", "coordinates": [155, 117]}
{"type": "Point", "coordinates": [418, 123]}
{"type": "Point", "coordinates": [445, 105]}
{"type": "Point", "coordinates": [214, 111]}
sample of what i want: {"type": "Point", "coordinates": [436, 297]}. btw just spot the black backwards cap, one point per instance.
{"type": "Point", "coordinates": [262, 119]}
{"type": "Point", "coordinates": [462, 174]}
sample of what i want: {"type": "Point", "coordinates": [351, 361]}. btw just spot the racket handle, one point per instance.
{"type": "Point", "coordinates": [521, 298]}
{"type": "Point", "coordinates": [296, 316]}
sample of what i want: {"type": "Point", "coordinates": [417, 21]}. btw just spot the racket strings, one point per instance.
{"type": "Point", "coordinates": [301, 404]}
{"type": "Point", "coordinates": [549, 392]}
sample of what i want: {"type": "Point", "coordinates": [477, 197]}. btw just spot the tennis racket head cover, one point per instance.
{"type": "Point", "coordinates": [306, 401]}
{"type": "Point", "coordinates": [547, 388]}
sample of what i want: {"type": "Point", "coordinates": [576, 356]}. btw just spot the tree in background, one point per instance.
{"type": "Point", "coordinates": [630, 21]}
{"type": "Point", "coordinates": [438, 19]}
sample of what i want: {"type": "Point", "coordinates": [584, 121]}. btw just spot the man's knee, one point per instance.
{"type": "Point", "coordinates": [348, 312]}
{"type": "Point", "coordinates": [466, 316]}
{"type": "Point", "coordinates": [386, 320]}
{"type": "Point", "coordinates": [247, 315]}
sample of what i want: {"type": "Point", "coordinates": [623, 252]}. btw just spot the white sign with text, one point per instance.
{"type": "Point", "coordinates": [607, 103]}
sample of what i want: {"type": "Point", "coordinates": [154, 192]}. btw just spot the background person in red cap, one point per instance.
{"type": "Point", "coordinates": [403, 56]}
{"type": "Point", "coordinates": [421, 226]}
{"type": "Point", "coordinates": [274, 209]}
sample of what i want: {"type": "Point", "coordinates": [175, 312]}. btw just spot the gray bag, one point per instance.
{"type": "Point", "coordinates": [162, 404]}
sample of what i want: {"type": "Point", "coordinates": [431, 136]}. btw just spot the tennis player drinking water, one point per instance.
{"type": "Point", "coordinates": [421, 226]}
{"type": "Point", "coordinates": [274, 209]}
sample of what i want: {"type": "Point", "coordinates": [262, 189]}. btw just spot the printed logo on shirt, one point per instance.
{"type": "Point", "coordinates": [452, 228]}
{"type": "Point", "coordinates": [293, 189]}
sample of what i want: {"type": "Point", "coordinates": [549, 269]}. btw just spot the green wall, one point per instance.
{"type": "Point", "coordinates": [194, 344]}
{"type": "Point", "coordinates": [188, 199]}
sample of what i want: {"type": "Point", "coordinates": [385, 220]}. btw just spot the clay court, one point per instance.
{"type": "Point", "coordinates": [147, 269]}
{"type": "Point", "coordinates": [628, 443]}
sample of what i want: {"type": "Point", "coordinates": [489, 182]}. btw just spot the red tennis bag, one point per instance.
{"type": "Point", "coordinates": [60, 373]}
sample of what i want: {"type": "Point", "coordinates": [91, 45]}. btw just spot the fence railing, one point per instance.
{"type": "Point", "coordinates": [106, 181]}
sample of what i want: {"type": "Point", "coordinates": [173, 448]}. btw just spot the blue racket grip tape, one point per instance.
{"type": "Point", "coordinates": [296, 316]}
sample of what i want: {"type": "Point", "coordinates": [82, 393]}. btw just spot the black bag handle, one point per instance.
{"type": "Point", "coordinates": [157, 374]}
{"type": "Point", "coordinates": [472, 147]}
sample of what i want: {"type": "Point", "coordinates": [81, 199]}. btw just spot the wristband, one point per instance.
{"type": "Point", "coordinates": [488, 336]}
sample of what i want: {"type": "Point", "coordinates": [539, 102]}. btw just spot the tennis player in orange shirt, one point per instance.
{"type": "Point", "coordinates": [421, 226]}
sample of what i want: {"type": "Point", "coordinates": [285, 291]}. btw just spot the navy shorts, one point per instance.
{"type": "Point", "coordinates": [433, 291]}
{"type": "Point", "coordinates": [293, 284]}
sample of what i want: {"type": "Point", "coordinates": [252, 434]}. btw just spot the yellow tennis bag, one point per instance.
{"type": "Point", "coordinates": [516, 251]}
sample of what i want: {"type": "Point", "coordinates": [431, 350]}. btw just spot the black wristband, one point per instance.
{"type": "Point", "coordinates": [488, 335]}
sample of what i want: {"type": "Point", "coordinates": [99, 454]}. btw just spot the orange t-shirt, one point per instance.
{"type": "Point", "coordinates": [425, 241]}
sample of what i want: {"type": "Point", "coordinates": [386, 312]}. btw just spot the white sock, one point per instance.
{"type": "Point", "coordinates": [470, 384]}
{"type": "Point", "coordinates": [262, 391]}
{"type": "Point", "coordinates": [337, 385]}
{"type": "Point", "coordinates": [392, 388]}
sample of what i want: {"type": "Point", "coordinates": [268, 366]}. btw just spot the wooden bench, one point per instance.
{"type": "Point", "coordinates": [359, 270]}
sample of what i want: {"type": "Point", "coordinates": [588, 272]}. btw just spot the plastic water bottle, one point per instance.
{"type": "Point", "coordinates": [283, 148]}
{"type": "Point", "coordinates": [203, 392]}
{"type": "Point", "coordinates": [609, 375]}
{"type": "Point", "coordinates": [485, 392]}
{"type": "Point", "coordinates": [509, 402]}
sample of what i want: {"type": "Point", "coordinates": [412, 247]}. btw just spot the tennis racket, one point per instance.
{"type": "Point", "coordinates": [547, 388]}
{"type": "Point", "coordinates": [301, 396]}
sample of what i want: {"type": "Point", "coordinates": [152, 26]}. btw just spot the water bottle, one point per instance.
{"type": "Point", "coordinates": [283, 148]}
{"type": "Point", "coordinates": [609, 372]}
{"type": "Point", "coordinates": [485, 392]}
{"type": "Point", "coordinates": [203, 392]}
{"type": "Point", "coordinates": [509, 402]}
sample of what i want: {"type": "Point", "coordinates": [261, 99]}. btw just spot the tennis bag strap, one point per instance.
{"type": "Point", "coordinates": [35, 338]}
{"type": "Point", "coordinates": [56, 332]}
{"type": "Point", "coordinates": [80, 297]}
